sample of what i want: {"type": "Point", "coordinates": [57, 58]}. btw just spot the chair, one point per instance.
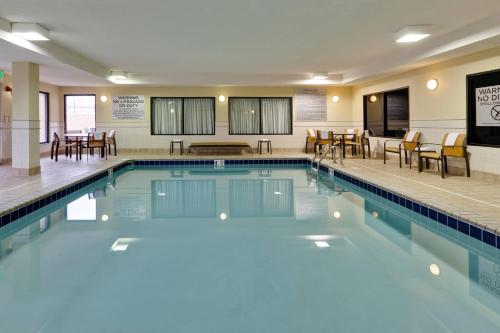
{"type": "Point", "coordinates": [360, 140]}
{"type": "Point", "coordinates": [408, 143]}
{"type": "Point", "coordinates": [111, 140]}
{"type": "Point", "coordinates": [351, 140]}
{"type": "Point", "coordinates": [56, 144]}
{"type": "Point", "coordinates": [311, 138]}
{"type": "Point", "coordinates": [323, 138]}
{"type": "Point", "coordinates": [95, 141]}
{"type": "Point", "coordinates": [453, 145]}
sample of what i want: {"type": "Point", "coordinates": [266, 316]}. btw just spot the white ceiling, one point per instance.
{"type": "Point", "coordinates": [253, 42]}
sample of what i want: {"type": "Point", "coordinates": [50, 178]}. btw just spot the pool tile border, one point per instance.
{"type": "Point", "coordinates": [445, 219]}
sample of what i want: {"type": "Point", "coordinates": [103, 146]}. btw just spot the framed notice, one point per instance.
{"type": "Point", "coordinates": [128, 107]}
{"type": "Point", "coordinates": [310, 104]}
{"type": "Point", "coordinates": [483, 109]}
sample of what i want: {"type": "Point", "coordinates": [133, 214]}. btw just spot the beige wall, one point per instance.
{"type": "Point", "coordinates": [56, 114]}
{"type": "Point", "coordinates": [136, 134]}
{"type": "Point", "coordinates": [444, 110]}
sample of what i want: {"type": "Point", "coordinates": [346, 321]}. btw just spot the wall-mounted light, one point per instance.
{"type": "Point", "coordinates": [335, 99]}
{"type": "Point", "coordinates": [104, 218]}
{"type": "Point", "coordinates": [30, 31]}
{"type": "Point", "coordinates": [222, 98]}
{"type": "Point", "coordinates": [373, 98]}
{"type": "Point", "coordinates": [337, 214]}
{"type": "Point", "coordinates": [104, 98]}
{"type": "Point", "coordinates": [432, 84]}
{"type": "Point", "coordinates": [222, 216]}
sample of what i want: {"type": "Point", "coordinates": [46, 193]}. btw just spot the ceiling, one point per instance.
{"type": "Point", "coordinates": [234, 42]}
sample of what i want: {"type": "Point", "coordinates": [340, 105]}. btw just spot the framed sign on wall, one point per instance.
{"type": "Point", "coordinates": [483, 109]}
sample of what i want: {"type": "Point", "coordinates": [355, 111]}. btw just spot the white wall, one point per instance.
{"type": "Point", "coordinates": [436, 112]}
{"type": "Point", "coordinates": [136, 134]}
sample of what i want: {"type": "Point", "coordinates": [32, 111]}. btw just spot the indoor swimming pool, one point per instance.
{"type": "Point", "coordinates": [240, 248]}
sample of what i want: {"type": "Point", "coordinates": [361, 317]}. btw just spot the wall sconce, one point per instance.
{"type": "Point", "coordinates": [104, 98]}
{"type": "Point", "coordinates": [222, 98]}
{"type": "Point", "coordinates": [335, 99]}
{"type": "Point", "coordinates": [432, 84]}
{"type": "Point", "coordinates": [8, 89]}
{"type": "Point", "coordinates": [373, 98]}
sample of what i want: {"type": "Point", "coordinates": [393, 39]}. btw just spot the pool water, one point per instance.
{"type": "Point", "coordinates": [266, 249]}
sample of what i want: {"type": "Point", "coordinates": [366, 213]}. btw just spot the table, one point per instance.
{"type": "Point", "coordinates": [181, 145]}
{"type": "Point", "coordinates": [342, 140]}
{"type": "Point", "coordinates": [79, 138]}
{"type": "Point", "coordinates": [268, 144]}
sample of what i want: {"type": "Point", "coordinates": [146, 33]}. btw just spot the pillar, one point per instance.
{"type": "Point", "coordinates": [25, 119]}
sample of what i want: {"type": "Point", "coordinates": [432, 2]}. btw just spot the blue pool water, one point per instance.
{"type": "Point", "coordinates": [240, 250]}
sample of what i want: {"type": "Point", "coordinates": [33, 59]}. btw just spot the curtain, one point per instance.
{"type": "Point", "coordinates": [167, 115]}
{"type": "Point", "coordinates": [244, 115]}
{"type": "Point", "coordinates": [199, 116]}
{"type": "Point", "coordinates": [276, 116]}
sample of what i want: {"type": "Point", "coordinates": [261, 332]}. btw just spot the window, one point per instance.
{"type": "Point", "coordinates": [43, 114]}
{"type": "Point", "coordinates": [260, 115]}
{"type": "Point", "coordinates": [182, 115]}
{"type": "Point", "coordinates": [79, 112]}
{"type": "Point", "coordinates": [387, 113]}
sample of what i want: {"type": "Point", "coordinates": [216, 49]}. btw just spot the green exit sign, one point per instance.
{"type": "Point", "coordinates": [2, 74]}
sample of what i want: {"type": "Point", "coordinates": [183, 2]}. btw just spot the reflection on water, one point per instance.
{"type": "Point", "coordinates": [261, 198]}
{"type": "Point", "coordinates": [325, 253]}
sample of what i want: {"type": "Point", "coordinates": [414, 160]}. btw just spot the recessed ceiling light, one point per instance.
{"type": "Point", "coordinates": [277, 193]}
{"type": "Point", "coordinates": [322, 244]}
{"type": "Point", "coordinates": [320, 76]}
{"type": "Point", "coordinates": [412, 33]}
{"type": "Point", "coordinates": [161, 194]}
{"type": "Point", "coordinates": [118, 77]}
{"type": "Point", "coordinates": [30, 31]}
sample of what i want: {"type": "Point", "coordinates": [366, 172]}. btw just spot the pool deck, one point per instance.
{"type": "Point", "coordinates": [474, 200]}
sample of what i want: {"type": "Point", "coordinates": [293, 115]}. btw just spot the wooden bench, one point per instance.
{"type": "Point", "coordinates": [217, 146]}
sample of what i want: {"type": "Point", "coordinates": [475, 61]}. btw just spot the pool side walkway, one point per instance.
{"type": "Point", "coordinates": [473, 200]}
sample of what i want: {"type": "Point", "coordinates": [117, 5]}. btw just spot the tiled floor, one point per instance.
{"type": "Point", "coordinates": [477, 201]}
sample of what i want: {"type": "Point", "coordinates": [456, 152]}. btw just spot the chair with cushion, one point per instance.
{"type": "Point", "coordinates": [111, 140]}
{"type": "Point", "coordinates": [361, 141]}
{"type": "Point", "coordinates": [323, 138]}
{"type": "Point", "coordinates": [97, 140]}
{"type": "Point", "coordinates": [311, 138]}
{"type": "Point", "coordinates": [351, 139]}
{"type": "Point", "coordinates": [57, 144]}
{"type": "Point", "coordinates": [453, 145]}
{"type": "Point", "coordinates": [408, 144]}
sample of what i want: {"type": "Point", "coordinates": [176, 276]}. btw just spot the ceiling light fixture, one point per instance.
{"type": "Point", "coordinates": [118, 77]}
{"type": "Point", "coordinates": [30, 31]}
{"type": "Point", "coordinates": [412, 33]}
{"type": "Point", "coordinates": [335, 99]}
{"type": "Point", "coordinates": [320, 76]}
{"type": "Point", "coordinates": [432, 84]}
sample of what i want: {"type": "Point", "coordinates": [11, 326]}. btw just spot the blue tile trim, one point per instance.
{"type": "Point", "coordinates": [441, 217]}
{"type": "Point", "coordinates": [19, 212]}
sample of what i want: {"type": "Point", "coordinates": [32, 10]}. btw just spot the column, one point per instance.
{"type": "Point", "coordinates": [25, 119]}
